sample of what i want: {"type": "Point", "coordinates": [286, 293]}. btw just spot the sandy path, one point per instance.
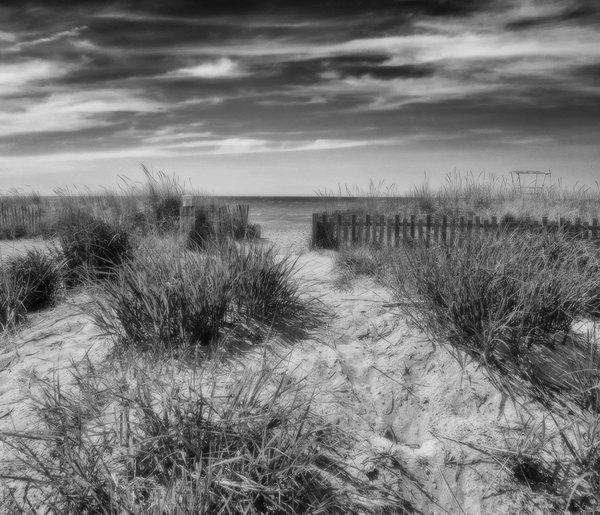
{"type": "Point", "coordinates": [376, 377]}
{"type": "Point", "coordinates": [405, 398]}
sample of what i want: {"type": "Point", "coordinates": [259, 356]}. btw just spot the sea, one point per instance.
{"type": "Point", "coordinates": [295, 211]}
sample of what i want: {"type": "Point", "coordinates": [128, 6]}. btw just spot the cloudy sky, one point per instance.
{"type": "Point", "coordinates": [273, 97]}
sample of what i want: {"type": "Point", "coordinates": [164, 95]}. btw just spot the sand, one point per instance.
{"type": "Point", "coordinates": [374, 375]}
{"type": "Point", "coordinates": [288, 238]}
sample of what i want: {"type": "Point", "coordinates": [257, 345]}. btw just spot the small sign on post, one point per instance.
{"type": "Point", "coordinates": [188, 200]}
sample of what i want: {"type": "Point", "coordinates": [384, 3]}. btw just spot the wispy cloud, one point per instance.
{"type": "Point", "coordinates": [49, 39]}
{"type": "Point", "coordinates": [21, 77]}
{"type": "Point", "coordinates": [71, 111]}
{"type": "Point", "coordinates": [7, 36]}
{"type": "Point", "coordinates": [208, 147]}
{"type": "Point", "coordinates": [222, 69]}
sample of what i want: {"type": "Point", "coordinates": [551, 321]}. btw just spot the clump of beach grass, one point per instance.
{"type": "Point", "coordinates": [511, 301]}
{"type": "Point", "coordinates": [146, 437]}
{"type": "Point", "coordinates": [92, 248]}
{"type": "Point", "coordinates": [175, 299]}
{"type": "Point", "coordinates": [28, 282]}
{"type": "Point", "coordinates": [468, 195]}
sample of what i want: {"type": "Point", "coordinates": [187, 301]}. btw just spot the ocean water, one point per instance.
{"type": "Point", "coordinates": [295, 211]}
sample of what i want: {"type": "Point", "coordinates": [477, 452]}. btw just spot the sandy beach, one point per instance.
{"type": "Point", "coordinates": [288, 238]}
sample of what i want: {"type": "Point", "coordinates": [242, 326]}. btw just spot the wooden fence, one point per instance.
{"type": "Point", "coordinates": [31, 221]}
{"type": "Point", "coordinates": [227, 219]}
{"type": "Point", "coordinates": [335, 230]}
{"type": "Point", "coordinates": [21, 219]}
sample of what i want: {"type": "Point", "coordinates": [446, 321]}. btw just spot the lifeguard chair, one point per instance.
{"type": "Point", "coordinates": [529, 182]}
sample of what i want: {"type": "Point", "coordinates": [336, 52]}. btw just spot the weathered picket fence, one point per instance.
{"type": "Point", "coordinates": [21, 218]}
{"type": "Point", "coordinates": [335, 229]}
{"type": "Point", "coordinates": [226, 219]}
{"type": "Point", "coordinates": [31, 221]}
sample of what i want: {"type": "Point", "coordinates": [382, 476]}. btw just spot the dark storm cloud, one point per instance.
{"type": "Point", "coordinates": [248, 7]}
{"type": "Point", "coordinates": [211, 76]}
{"type": "Point", "coordinates": [312, 70]}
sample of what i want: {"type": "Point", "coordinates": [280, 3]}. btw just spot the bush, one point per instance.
{"type": "Point", "coordinates": [92, 248]}
{"type": "Point", "coordinates": [265, 289]}
{"type": "Point", "coordinates": [165, 301]}
{"type": "Point", "coordinates": [27, 282]}
{"type": "Point", "coordinates": [12, 310]}
{"type": "Point", "coordinates": [168, 300]}
{"type": "Point", "coordinates": [13, 232]}
{"type": "Point", "coordinates": [498, 289]}
{"type": "Point", "coordinates": [38, 275]}
{"type": "Point", "coordinates": [171, 445]}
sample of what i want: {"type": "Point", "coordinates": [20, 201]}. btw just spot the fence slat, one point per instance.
{"type": "Point", "coordinates": [444, 229]}
{"type": "Point", "coordinates": [428, 229]}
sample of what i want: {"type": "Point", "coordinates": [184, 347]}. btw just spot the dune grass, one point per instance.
{"type": "Point", "coordinates": [468, 195]}
{"type": "Point", "coordinates": [143, 436]}
{"type": "Point", "coordinates": [172, 298]}
{"type": "Point", "coordinates": [511, 301]}
{"type": "Point", "coordinates": [28, 282]}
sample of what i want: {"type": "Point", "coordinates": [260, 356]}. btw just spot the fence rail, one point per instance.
{"type": "Point", "coordinates": [335, 229]}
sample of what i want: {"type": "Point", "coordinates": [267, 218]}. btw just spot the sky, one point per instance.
{"type": "Point", "coordinates": [276, 97]}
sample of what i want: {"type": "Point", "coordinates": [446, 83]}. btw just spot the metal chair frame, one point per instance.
{"type": "Point", "coordinates": [529, 182]}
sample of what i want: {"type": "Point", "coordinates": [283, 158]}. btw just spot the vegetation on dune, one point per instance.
{"type": "Point", "coordinates": [177, 299]}
{"type": "Point", "coordinates": [467, 195]}
{"type": "Point", "coordinates": [92, 248]}
{"type": "Point", "coordinates": [156, 431]}
{"type": "Point", "coordinates": [510, 301]}
{"type": "Point", "coordinates": [28, 282]}
{"type": "Point", "coordinates": [150, 437]}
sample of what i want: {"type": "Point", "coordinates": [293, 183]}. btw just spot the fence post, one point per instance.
{"type": "Point", "coordinates": [338, 230]}
{"type": "Point", "coordinates": [397, 231]}
{"type": "Point", "coordinates": [594, 228]}
{"type": "Point", "coordinates": [345, 222]}
{"type": "Point", "coordinates": [360, 231]}
{"type": "Point", "coordinates": [313, 242]}
{"type": "Point", "coordinates": [187, 217]}
{"type": "Point", "coordinates": [444, 229]}
{"type": "Point", "coordinates": [413, 224]}
{"type": "Point", "coordinates": [428, 235]}
{"type": "Point", "coordinates": [389, 232]}
{"type": "Point", "coordinates": [367, 228]}
{"type": "Point", "coordinates": [353, 229]}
